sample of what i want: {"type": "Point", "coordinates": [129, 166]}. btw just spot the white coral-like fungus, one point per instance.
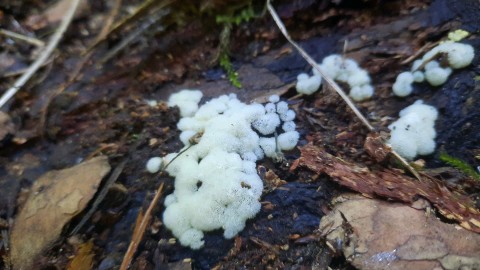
{"type": "Point", "coordinates": [216, 182]}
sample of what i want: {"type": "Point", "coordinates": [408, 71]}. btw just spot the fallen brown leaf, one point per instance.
{"type": "Point", "coordinates": [55, 198]}
{"type": "Point", "coordinates": [374, 234]}
{"type": "Point", "coordinates": [83, 260]}
{"type": "Point", "coordinates": [391, 184]}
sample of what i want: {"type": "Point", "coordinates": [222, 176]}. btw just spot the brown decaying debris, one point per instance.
{"type": "Point", "coordinates": [376, 148]}
{"type": "Point", "coordinates": [391, 184]}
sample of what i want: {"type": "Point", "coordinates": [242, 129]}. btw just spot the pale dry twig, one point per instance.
{"type": "Point", "coordinates": [55, 39]}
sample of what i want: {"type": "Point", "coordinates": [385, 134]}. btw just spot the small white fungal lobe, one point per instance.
{"type": "Point", "coordinates": [403, 84]}
{"type": "Point", "coordinates": [414, 132]}
{"type": "Point", "coordinates": [340, 69]}
{"type": "Point", "coordinates": [437, 76]}
{"type": "Point", "coordinates": [308, 85]}
{"type": "Point", "coordinates": [216, 182]}
{"type": "Point", "coordinates": [418, 76]}
{"type": "Point", "coordinates": [154, 164]}
{"type": "Point", "coordinates": [186, 100]}
{"type": "Point", "coordinates": [359, 93]}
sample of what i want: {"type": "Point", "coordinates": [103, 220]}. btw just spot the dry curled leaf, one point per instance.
{"type": "Point", "coordinates": [83, 260]}
{"type": "Point", "coordinates": [374, 234]}
{"type": "Point", "coordinates": [55, 198]}
{"type": "Point", "coordinates": [391, 184]}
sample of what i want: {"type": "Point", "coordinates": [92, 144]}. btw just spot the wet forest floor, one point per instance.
{"type": "Point", "coordinates": [116, 108]}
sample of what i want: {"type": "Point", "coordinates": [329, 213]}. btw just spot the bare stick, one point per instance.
{"type": "Point", "coordinates": [79, 67]}
{"type": "Point", "coordinates": [55, 39]}
{"type": "Point", "coordinates": [153, 18]}
{"type": "Point", "coordinates": [405, 163]}
{"type": "Point", "coordinates": [140, 11]}
{"type": "Point", "coordinates": [22, 70]}
{"type": "Point", "coordinates": [27, 39]}
{"type": "Point", "coordinates": [109, 21]}
{"type": "Point", "coordinates": [139, 230]}
{"type": "Point", "coordinates": [116, 173]}
{"type": "Point", "coordinates": [333, 84]}
{"type": "Point", "coordinates": [314, 64]}
{"type": "Point", "coordinates": [416, 54]}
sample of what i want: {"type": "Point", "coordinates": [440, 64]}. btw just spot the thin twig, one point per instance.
{"type": "Point", "coordinates": [55, 39]}
{"type": "Point", "coordinates": [175, 157]}
{"type": "Point", "coordinates": [78, 68]}
{"type": "Point", "coordinates": [416, 54]}
{"type": "Point", "coordinates": [112, 179]}
{"type": "Point", "coordinates": [109, 21]}
{"type": "Point", "coordinates": [332, 83]}
{"type": "Point", "coordinates": [426, 61]}
{"type": "Point", "coordinates": [425, 47]}
{"type": "Point", "coordinates": [314, 64]}
{"type": "Point", "coordinates": [134, 35]}
{"type": "Point", "coordinates": [142, 9]}
{"type": "Point", "coordinates": [23, 70]}
{"type": "Point", "coordinates": [405, 163]}
{"type": "Point", "coordinates": [139, 230]}
{"type": "Point", "coordinates": [34, 41]}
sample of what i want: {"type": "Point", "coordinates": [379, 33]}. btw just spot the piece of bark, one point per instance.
{"type": "Point", "coordinates": [375, 147]}
{"type": "Point", "coordinates": [391, 184]}
{"type": "Point", "coordinates": [374, 234]}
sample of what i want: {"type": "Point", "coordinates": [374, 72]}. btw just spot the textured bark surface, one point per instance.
{"type": "Point", "coordinates": [392, 184]}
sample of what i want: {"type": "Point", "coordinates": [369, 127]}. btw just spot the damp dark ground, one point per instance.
{"type": "Point", "coordinates": [105, 112]}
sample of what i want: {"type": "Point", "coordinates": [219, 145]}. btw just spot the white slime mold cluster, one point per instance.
{"type": "Point", "coordinates": [414, 133]}
{"type": "Point", "coordinates": [216, 181]}
{"type": "Point", "coordinates": [340, 69]}
{"type": "Point", "coordinates": [457, 55]}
